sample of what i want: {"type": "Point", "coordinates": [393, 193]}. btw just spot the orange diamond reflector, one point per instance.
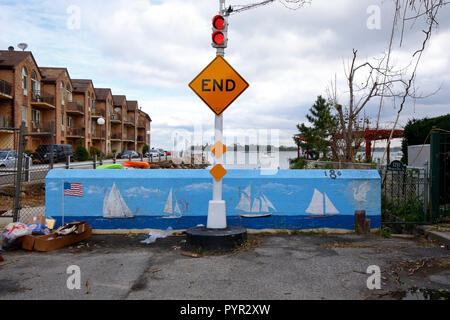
{"type": "Point", "coordinates": [218, 149]}
{"type": "Point", "coordinates": [218, 172]}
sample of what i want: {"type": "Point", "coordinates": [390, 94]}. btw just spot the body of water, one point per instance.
{"type": "Point", "coordinates": [279, 160]}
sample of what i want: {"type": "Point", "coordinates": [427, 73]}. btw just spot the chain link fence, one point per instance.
{"type": "Point", "coordinates": [8, 163]}
{"type": "Point", "coordinates": [39, 155]}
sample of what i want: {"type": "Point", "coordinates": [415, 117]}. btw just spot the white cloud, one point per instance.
{"type": "Point", "coordinates": [151, 50]}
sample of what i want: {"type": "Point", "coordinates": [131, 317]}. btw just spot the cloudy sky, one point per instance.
{"type": "Point", "coordinates": [150, 50]}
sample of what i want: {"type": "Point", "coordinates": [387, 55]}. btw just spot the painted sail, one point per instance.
{"type": "Point", "coordinates": [255, 207]}
{"type": "Point", "coordinates": [268, 203]}
{"type": "Point", "coordinates": [177, 207]}
{"type": "Point", "coordinates": [316, 204]}
{"type": "Point", "coordinates": [114, 206]}
{"type": "Point", "coordinates": [329, 206]}
{"type": "Point", "coordinates": [245, 201]}
{"type": "Point", "coordinates": [264, 206]}
{"type": "Point", "coordinates": [168, 205]}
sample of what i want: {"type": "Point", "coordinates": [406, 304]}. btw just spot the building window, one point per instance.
{"type": "Point", "coordinates": [35, 85]}
{"type": "Point", "coordinates": [69, 122]}
{"type": "Point", "coordinates": [35, 116]}
{"type": "Point", "coordinates": [24, 115]}
{"type": "Point", "coordinates": [61, 89]}
{"type": "Point", "coordinates": [89, 102]}
{"type": "Point", "coordinates": [24, 80]}
{"type": "Point", "coordinates": [68, 94]}
{"type": "Point", "coordinates": [62, 122]}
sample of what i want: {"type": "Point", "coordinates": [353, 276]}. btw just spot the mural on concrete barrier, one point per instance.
{"type": "Point", "coordinates": [129, 199]}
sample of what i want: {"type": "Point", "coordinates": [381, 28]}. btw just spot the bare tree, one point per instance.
{"type": "Point", "coordinates": [411, 11]}
{"type": "Point", "coordinates": [365, 81]}
{"type": "Point", "coordinates": [368, 80]}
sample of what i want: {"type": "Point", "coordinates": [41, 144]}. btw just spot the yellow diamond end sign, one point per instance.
{"type": "Point", "coordinates": [218, 85]}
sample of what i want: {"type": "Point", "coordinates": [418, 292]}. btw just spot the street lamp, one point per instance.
{"type": "Point", "coordinates": [101, 122]}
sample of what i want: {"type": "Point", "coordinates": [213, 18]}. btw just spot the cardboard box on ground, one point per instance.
{"type": "Point", "coordinates": [37, 234]}
{"type": "Point", "coordinates": [62, 237]}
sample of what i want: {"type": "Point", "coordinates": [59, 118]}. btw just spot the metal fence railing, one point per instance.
{"type": "Point", "coordinates": [315, 164]}
{"type": "Point", "coordinates": [405, 195]}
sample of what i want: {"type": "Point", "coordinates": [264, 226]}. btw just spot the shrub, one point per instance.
{"type": "Point", "coordinates": [145, 149]}
{"type": "Point", "coordinates": [95, 151]}
{"type": "Point", "coordinates": [298, 163]}
{"type": "Point", "coordinates": [81, 154]}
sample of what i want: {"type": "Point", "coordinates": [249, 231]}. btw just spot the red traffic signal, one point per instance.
{"type": "Point", "coordinates": [219, 38]}
{"type": "Point", "coordinates": [218, 22]}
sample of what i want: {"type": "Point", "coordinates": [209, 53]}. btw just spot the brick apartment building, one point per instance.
{"type": "Point", "coordinates": [39, 96]}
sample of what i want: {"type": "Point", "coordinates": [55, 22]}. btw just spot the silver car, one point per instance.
{"type": "Point", "coordinates": [8, 158]}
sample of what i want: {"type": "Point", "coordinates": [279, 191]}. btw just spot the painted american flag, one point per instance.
{"type": "Point", "coordinates": [73, 189]}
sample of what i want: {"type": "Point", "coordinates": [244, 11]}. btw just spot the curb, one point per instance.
{"type": "Point", "coordinates": [249, 231]}
{"type": "Point", "coordinates": [443, 237]}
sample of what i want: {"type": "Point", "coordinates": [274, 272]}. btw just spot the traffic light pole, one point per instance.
{"type": "Point", "coordinates": [217, 214]}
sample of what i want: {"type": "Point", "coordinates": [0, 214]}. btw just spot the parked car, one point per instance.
{"type": "Point", "coordinates": [8, 158]}
{"type": "Point", "coordinates": [126, 154]}
{"type": "Point", "coordinates": [60, 153]}
{"type": "Point", "coordinates": [161, 152]}
{"type": "Point", "coordinates": [152, 152]}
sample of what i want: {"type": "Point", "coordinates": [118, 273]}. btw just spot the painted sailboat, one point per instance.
{"type": "Point", "coordinates": [114, 207]}
{"type": "Point", "coordinates": [171, 212]}
{"type": "Point", "coordinates": [260, 207]}
{"type": "Point", "coordinates": [321, 206]}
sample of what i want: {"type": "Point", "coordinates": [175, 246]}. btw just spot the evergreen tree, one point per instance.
{"type": "Point", "coordinates": [323, 125]}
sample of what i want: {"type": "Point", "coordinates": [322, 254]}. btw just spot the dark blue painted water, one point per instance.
{"type": "Point", "coordinates": [272, 222]}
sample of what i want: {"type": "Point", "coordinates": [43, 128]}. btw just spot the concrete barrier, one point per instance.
{"type": "Point", "coordinates": [157, 199]}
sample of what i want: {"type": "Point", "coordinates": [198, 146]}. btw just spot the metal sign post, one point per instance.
{"type": "Point", "coordinates": [217, 212]}
{"type": "Point", "coordinates": [218, 85]}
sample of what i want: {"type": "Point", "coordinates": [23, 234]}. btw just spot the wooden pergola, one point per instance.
{"type": "Point", "coordinates": [369, 135]}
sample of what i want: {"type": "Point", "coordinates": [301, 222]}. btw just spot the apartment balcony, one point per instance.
{"type": "Point", "coordinates": [141, 124]}
{"type": "Point", "coordinates": [75, 132]}
{"type": "Point", "coordinates": [42, 100]}
{"type": "Point", "coordinates": [115, 118]}
{"type": "Point", "coordinates": [128, 121]}
{"type": "Point", "coordinates": [5, 122]}
{"type": "Point", "coordinates": [140, 139]}
{"type": "Point", "coordinates": [40, 127]}
{"type": "Point", "coordinates": [116, 137]}
{"type": "Point", "coordinates": [96, 135]}
{"type": "Point", "coordinates": [129, 138]}
{"type": "Point", "coordinates": [97, 113]}
{"type": "Point", "coordinates": [5, 90]}
{"type": "Point", "coordinates": [75, 108]}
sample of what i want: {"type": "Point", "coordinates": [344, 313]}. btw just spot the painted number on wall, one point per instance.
{"type": "Point", "coordinates": [333, 174]}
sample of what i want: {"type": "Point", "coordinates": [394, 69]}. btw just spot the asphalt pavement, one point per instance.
{"type": "Point", "coordinates": [270, 267]}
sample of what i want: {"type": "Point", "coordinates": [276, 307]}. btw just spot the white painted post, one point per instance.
{"type": "Point", "coordinates": [217, 215]}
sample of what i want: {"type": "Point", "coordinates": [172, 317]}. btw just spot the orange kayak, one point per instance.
{"type": "Point", "coordinates": [137, 164]}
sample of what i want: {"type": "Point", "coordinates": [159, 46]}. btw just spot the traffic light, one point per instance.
{"type": "Point", "coordinates": [219, 35]}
